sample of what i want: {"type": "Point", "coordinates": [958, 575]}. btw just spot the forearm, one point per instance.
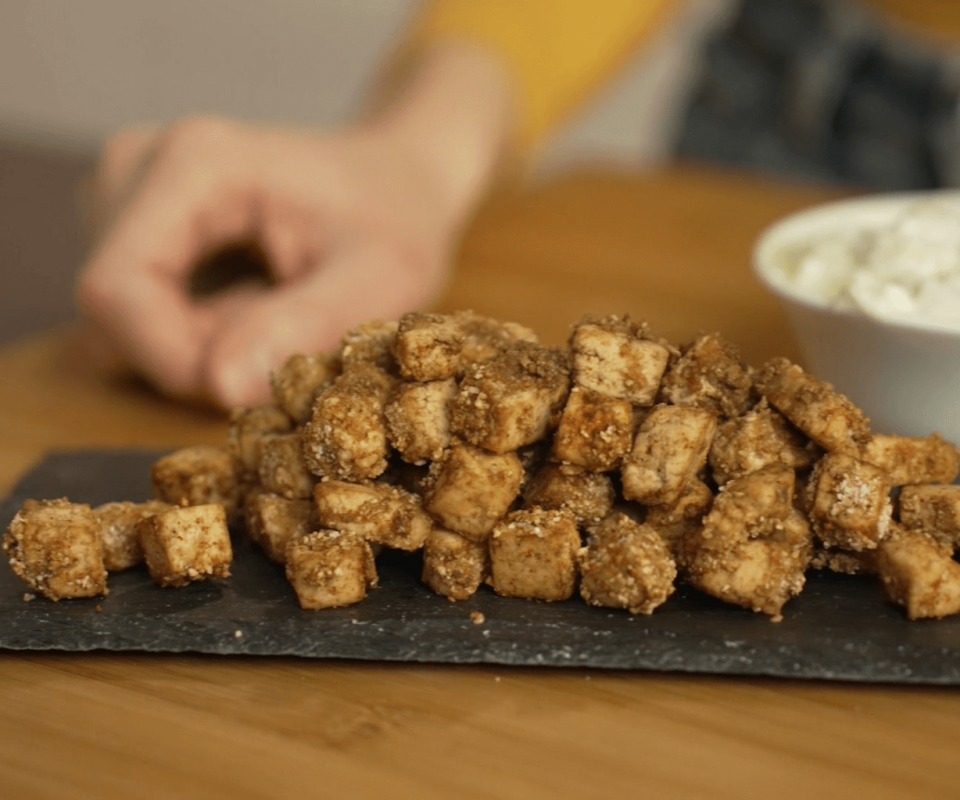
{"type": "Point", "coordinates": [557, 52]}
{"type": "Point", "coordinates": [454, 114]}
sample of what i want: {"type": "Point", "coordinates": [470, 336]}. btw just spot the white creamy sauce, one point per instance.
{"type": "Point", "coordinates": [908, 271]}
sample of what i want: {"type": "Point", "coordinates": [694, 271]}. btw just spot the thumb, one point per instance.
{"type": "Point", "coordinates": [356, 283]}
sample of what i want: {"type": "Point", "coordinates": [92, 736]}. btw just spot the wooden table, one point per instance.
{"type": "Point", "coordinates": [673, 248]}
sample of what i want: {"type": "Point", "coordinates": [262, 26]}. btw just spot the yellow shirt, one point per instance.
{"type": "Point", "coordinates": [557, 50]}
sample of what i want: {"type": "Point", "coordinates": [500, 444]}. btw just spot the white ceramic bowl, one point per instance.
{"type": "Point", "coordinates": [905, 377]}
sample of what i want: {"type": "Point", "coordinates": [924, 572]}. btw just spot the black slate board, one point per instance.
{"type": "Point", "coordinates": [839, 628]}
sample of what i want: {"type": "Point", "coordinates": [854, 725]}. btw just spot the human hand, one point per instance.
{"type": "Point", "coordinates": [351, 227]}
{"type": "Point", "coordinates": [355, 225]}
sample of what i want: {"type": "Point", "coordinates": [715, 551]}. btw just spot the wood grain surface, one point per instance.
{"type": "Point", "coordinates": [671, 247]}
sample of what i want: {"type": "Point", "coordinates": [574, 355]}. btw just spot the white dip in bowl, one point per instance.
{"type": "Point", "coordinates": [872, 289]}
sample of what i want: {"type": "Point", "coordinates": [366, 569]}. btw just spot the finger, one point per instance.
{"type": "Point", "coordinates": [133, 285]}
{"type": "Point", "coordinates": [356, 283]}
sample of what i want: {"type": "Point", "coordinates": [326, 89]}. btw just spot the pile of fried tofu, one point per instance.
{"type": "Point", "coordinates": [613, 467]}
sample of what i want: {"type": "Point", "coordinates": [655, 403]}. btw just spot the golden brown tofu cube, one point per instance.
{"type": "Point", "coordinates": [845, 562]}
{"type": "Point", "coordinates": [595, 431]}
{"type": "Point", "coordinates": [919, 574]}
{"type": "Point", "coordinates": [454, 566]}
{"type": "Point", "coordinates": [587, 495]}
{"type": "Point", "coordinates": [914, 459]}
{"type": "Point", "coordinates": [194, 476]}
{"type": "Point", "coordinates": [533, 554]}
{"type": "Point", "coordinates": [760, 438]}
{"type": "Point", "coordinates": [297, 383]}
{"type": "Point", "coordinates": [851, 506]}
{"type": "Point", "coordinates": [673, 522]}
{"type": "Point", "coordinates": [54, 547]}
{"type": "Point", "coordinates": [511, 400]}
{"type": "Point", "coordinates": [247, 426]}
{"type": "Point", "coordinates": [709, 374]}
{"type": "Point", "coordinates": [118, 531]}
{"type": "Point", "coordinates": [469, 489]}
{"type": "Point", "coordinates": [274, 521]}
{"type": "Point", "coordinates": [749, 507]}
{"type": "Point", "coordinates": [670, 449]}
{"type": "Point", "coordinates": [330, 569]}
{"type": "Point", "coordinates": [370, 343]}
{"type": "Point", "coordinates": [427, 346]}
{"type": "Point", "coordinates": [626, 565]}
{"type": "Point", "coordinates": [485, 338]}
{"type": "Point", "coordinates": [760, 574]}
{"type": "Point", "coordinates": [282, 469]}
{"type": "Point", "coordinates": [418, 419]}
{"type": "Point", "coordinates": [815, 407]}
{"type": "Point", "coordinates": [189, 544]}
{"type": "Point", "coordinates": [933, 509]}
{"type": "Point", "coordinates": [378, 512]}
{"type": "Point", "coordinates": [615, 357]}
{"type": "Point", "coordinates": [346, 438]}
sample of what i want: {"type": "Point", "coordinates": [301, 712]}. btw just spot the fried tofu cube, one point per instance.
{"type": "Point", "coordinates": [247, 425]}
{"type": "Point", "coordinates": [670, 448]}
{"type": "Point", "coordinates": [370, 343]}
{"type": "Point", "coordinates": [615, 357]}
{"type": "Point", "coordinates": [595, 431]}
{"type": "Point", "coordinates": [281, 467]}
{"type": "Point", "coordinates": [188, 544]}
{"type": "Point", "coordinates": [674, 522]}
{"type": "Point", "coordinates": [845, 562]}
{"type": "Point", "coordinates": [511, 400]}
{"type": "Point", "coordinates": [760, 574]}
{"type": "Point", "coordinates": [533, 554]}
{"type": "Point", "coordinates": [851, 506]}
{"type": "Point", "coordinates": [346, 437]}
{"type": "Point", "coordinates": [485, 338]}
{"type": "Point", "coordinates": [427, 347]}
{"type": "Point", "coordinates": [297, 383]}
{"type": "Point", "coordinates": [919, 574]}
{"type": "Point", "coordinates": [589, 496]}
{"type": "Point", "coordinates": [468, 489]}
{"type": "Point", "coordinates": [380, 513]}
{"type": "Point", "coordinates": [54, 547]}
{"type": "Point", "coordinates": [330, 569]}
{"type": "Point", "coordinates": [749, 507]}
{"type": "Point", "coordinates": [454, 566]}
{"type": "Point", "coordinates": [815, 407]}
{"type": "Point", "coordinates": [759, 438]}
{"type": "Point", "coordinates": [198, 475]}
{"type": "Point", "coordinates": [914, 459]}
{"type": "Point", "coordinates": [118, 531]}
{"type": "Point", "coordinates": [933, 509]}
{"type": "Point", "coordinates": [710, 374]}
{"type": "Point", "coordinates": [626, 565]}
{"type": "Point", "coordinates": [418, 419]}
{"type": "Point", "coordinates": [273, 521]}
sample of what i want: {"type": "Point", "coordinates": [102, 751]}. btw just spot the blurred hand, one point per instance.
{"type": "Point", "coordinates": [353, 229]}
{"type": "Point", "coordinates": [355, 225]}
